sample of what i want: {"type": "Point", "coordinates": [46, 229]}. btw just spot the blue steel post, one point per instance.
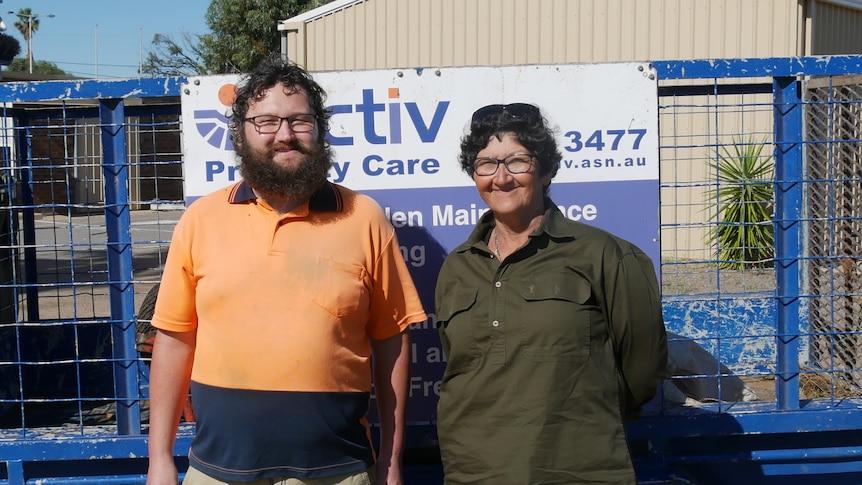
{"type": "Point", "coordinates": [788, 233]}
{"type": "Point", "coordinates": [15, 472]}
{"type": "Point", "coordinates": [118, 225]}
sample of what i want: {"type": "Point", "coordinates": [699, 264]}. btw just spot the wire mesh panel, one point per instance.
{"type": "Point", "coordinates": [717, 278]}
{"type": "Point", "coordinates": [833, 151]}
{"type": "Point", "coordinates": [59, 362]}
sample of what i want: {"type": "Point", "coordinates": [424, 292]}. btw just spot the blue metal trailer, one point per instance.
{"type": "Point", "coordinates": [768, 353]}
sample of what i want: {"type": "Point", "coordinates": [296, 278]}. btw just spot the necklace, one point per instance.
{"type": "Point", "coordinates": [496, 244]}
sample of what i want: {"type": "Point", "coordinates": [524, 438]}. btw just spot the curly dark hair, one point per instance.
{"type": "Point", "coordinates": [271, 71]}
{"type": "Point", "coordinates": [527, 125]}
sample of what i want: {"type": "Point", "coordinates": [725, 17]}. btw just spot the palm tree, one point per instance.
{"type": "Point", "coordinates": [27, 25]}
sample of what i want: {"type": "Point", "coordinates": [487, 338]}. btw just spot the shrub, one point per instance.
{"type": "Point", "coordinates": [9, 48]}
{"type": "Point", "coordinates": [743, 229]}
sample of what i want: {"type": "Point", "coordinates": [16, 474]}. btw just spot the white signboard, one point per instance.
{"type": "Point", "coordinates": [396, 136]}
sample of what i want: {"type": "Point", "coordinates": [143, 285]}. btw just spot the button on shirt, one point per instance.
{"type": "Point", "coordinates": [547, 351]}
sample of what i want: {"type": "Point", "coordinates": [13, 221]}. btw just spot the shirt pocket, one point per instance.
{"type": "Point", "coordinates": [455, 323]}
{"type": "Point", "coordinates": [339, 287]}
{"type": "Point", "coordinates": [556, 315]}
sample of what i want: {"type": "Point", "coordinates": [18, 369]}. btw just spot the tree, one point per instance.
{"type": "Point", "coordinates": [21, 64]}
{"type": "Point", "coordinates": [168, 58]}
{"type": "Point", "coordinates": [9, 48]}
{"type": "Point", "coordinates": [27, 25]}
{"type": "Point", "coordinates": [242, 32]}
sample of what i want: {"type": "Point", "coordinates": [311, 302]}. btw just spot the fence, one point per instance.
{"type": "Point", "coordinates": [78, 263]}
{"type": "Point", "coordinates": [763, 314]}
{"type": "Point", "coordinates": [777, 312]}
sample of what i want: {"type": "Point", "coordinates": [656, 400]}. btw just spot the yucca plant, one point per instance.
{"type": "Point", "coordinates": [744, 228]}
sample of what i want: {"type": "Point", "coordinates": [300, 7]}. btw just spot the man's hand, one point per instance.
{"type": "Point", "coordinates": [389, 470]}
{"type": "Point", "coordinates": [162, 473]}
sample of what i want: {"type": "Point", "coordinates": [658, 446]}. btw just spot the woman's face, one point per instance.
{"type": "Point", "coordinates": [508, 194]}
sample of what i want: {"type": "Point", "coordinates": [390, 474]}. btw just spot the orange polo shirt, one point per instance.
{"type": "Point", "coordinates": [283, 307]}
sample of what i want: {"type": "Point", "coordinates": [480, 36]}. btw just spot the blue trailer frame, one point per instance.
{"type": "Point", "coordinates": [790, 440]}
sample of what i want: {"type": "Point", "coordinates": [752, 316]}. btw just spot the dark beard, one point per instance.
{"type": "Point", "coordinates": [260, 171]}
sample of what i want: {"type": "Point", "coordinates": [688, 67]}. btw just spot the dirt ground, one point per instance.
{"type": "Point", "coordinates": [679, 279]}
{"type": "Point", "coordinates": [763, 386]}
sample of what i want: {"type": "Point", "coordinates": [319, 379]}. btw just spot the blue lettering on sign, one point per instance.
{"type": "Point", "coordinates": [426, 125]}
{"type": "Point", "coordinates": [394, 124]}
{"type": "Point", "coordinates": [368, 108]}
{"type": "Point", "coordinates": [598, 140]}
{"type": "Point", "coordinates": [217, 168]}
{"type": "Point", "coordinates": [338, 171]}
{"type": "Point", "coordinates": [374, 165]}
{"type": "Point", "coordinates": [339, 140]}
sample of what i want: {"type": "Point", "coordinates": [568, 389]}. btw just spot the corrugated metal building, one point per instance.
{"type": "Point", "coordinates": [377, 34]}
{"type": "Point", "coordinates": [388, 34]}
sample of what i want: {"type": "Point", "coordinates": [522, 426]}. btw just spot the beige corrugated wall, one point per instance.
{"type": "Point", "coordinates": [827, 20]}
{"type": "Point", "coordinates": [431, 33]}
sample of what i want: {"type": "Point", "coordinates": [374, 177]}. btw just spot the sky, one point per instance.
{"type": "Point", "coordinates": [103, 38]}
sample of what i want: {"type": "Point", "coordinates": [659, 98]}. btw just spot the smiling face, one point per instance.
{"type": "Point", "coordinates": [286, 146]}
{"type": "Point", "coordinates": [511, 195]}
{"type": "Point", "coordinates": [283, 162]}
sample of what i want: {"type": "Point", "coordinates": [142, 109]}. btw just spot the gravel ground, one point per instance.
{"type": "Point", "coordinates": [679, 279]}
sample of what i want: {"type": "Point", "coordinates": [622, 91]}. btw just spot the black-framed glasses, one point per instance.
{"type": "Point", "coordinates": [268, 124]}
{"type": "Point", "coordinates": [515, 163]}
{"type": "Point", "coordinates": [518, 110]}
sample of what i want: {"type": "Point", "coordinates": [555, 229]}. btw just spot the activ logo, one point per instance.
{"type": "Point", "coordinates": [426, 125]}
{"type": "Point", "coordinates": [212, 124]}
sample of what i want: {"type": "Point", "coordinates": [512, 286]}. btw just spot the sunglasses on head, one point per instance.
{"type": "Point", "coordinates": [517, 110]}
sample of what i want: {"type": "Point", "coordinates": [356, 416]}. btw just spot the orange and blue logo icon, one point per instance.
{"type": "Point", "coordinates": [212, 124]}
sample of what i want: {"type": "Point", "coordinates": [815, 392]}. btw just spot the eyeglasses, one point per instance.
{"type": "Point", "coordinates": [268, 124]}
{"type": "Point", "coordinates": [515, 163]}
{"type": "Point", "coordinates": [517, 110]}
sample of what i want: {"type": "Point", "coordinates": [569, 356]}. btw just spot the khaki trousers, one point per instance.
{"type": "Point", "coordinates": [367, 477]}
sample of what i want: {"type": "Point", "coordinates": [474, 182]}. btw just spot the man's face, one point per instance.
{"type": "Point", "coordinates": [281, 157]}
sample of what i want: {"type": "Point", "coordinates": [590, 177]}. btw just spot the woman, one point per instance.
{"type": "Point", "coordinates": [552, 329]}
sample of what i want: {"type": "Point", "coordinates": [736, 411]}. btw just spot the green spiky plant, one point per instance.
{"type": "Point", "coordinates": [744, 228]}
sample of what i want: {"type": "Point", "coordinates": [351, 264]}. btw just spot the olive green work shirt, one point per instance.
{"type": "Point", "coordinates": [547, 352]}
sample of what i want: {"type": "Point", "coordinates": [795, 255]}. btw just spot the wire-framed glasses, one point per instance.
{"type": "Point", "coordinates": [515, 163]}
{"type": "Point", "coordinates": [268, 124]}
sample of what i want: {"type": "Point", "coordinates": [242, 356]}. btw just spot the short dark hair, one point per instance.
{"type": "Point", "coordinates": [528, 126]}
{"type": "Point", "coordinates": [278, 70]}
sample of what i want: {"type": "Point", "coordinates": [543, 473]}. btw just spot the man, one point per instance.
{"type": "Point", "coordinates": [276, 292]}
